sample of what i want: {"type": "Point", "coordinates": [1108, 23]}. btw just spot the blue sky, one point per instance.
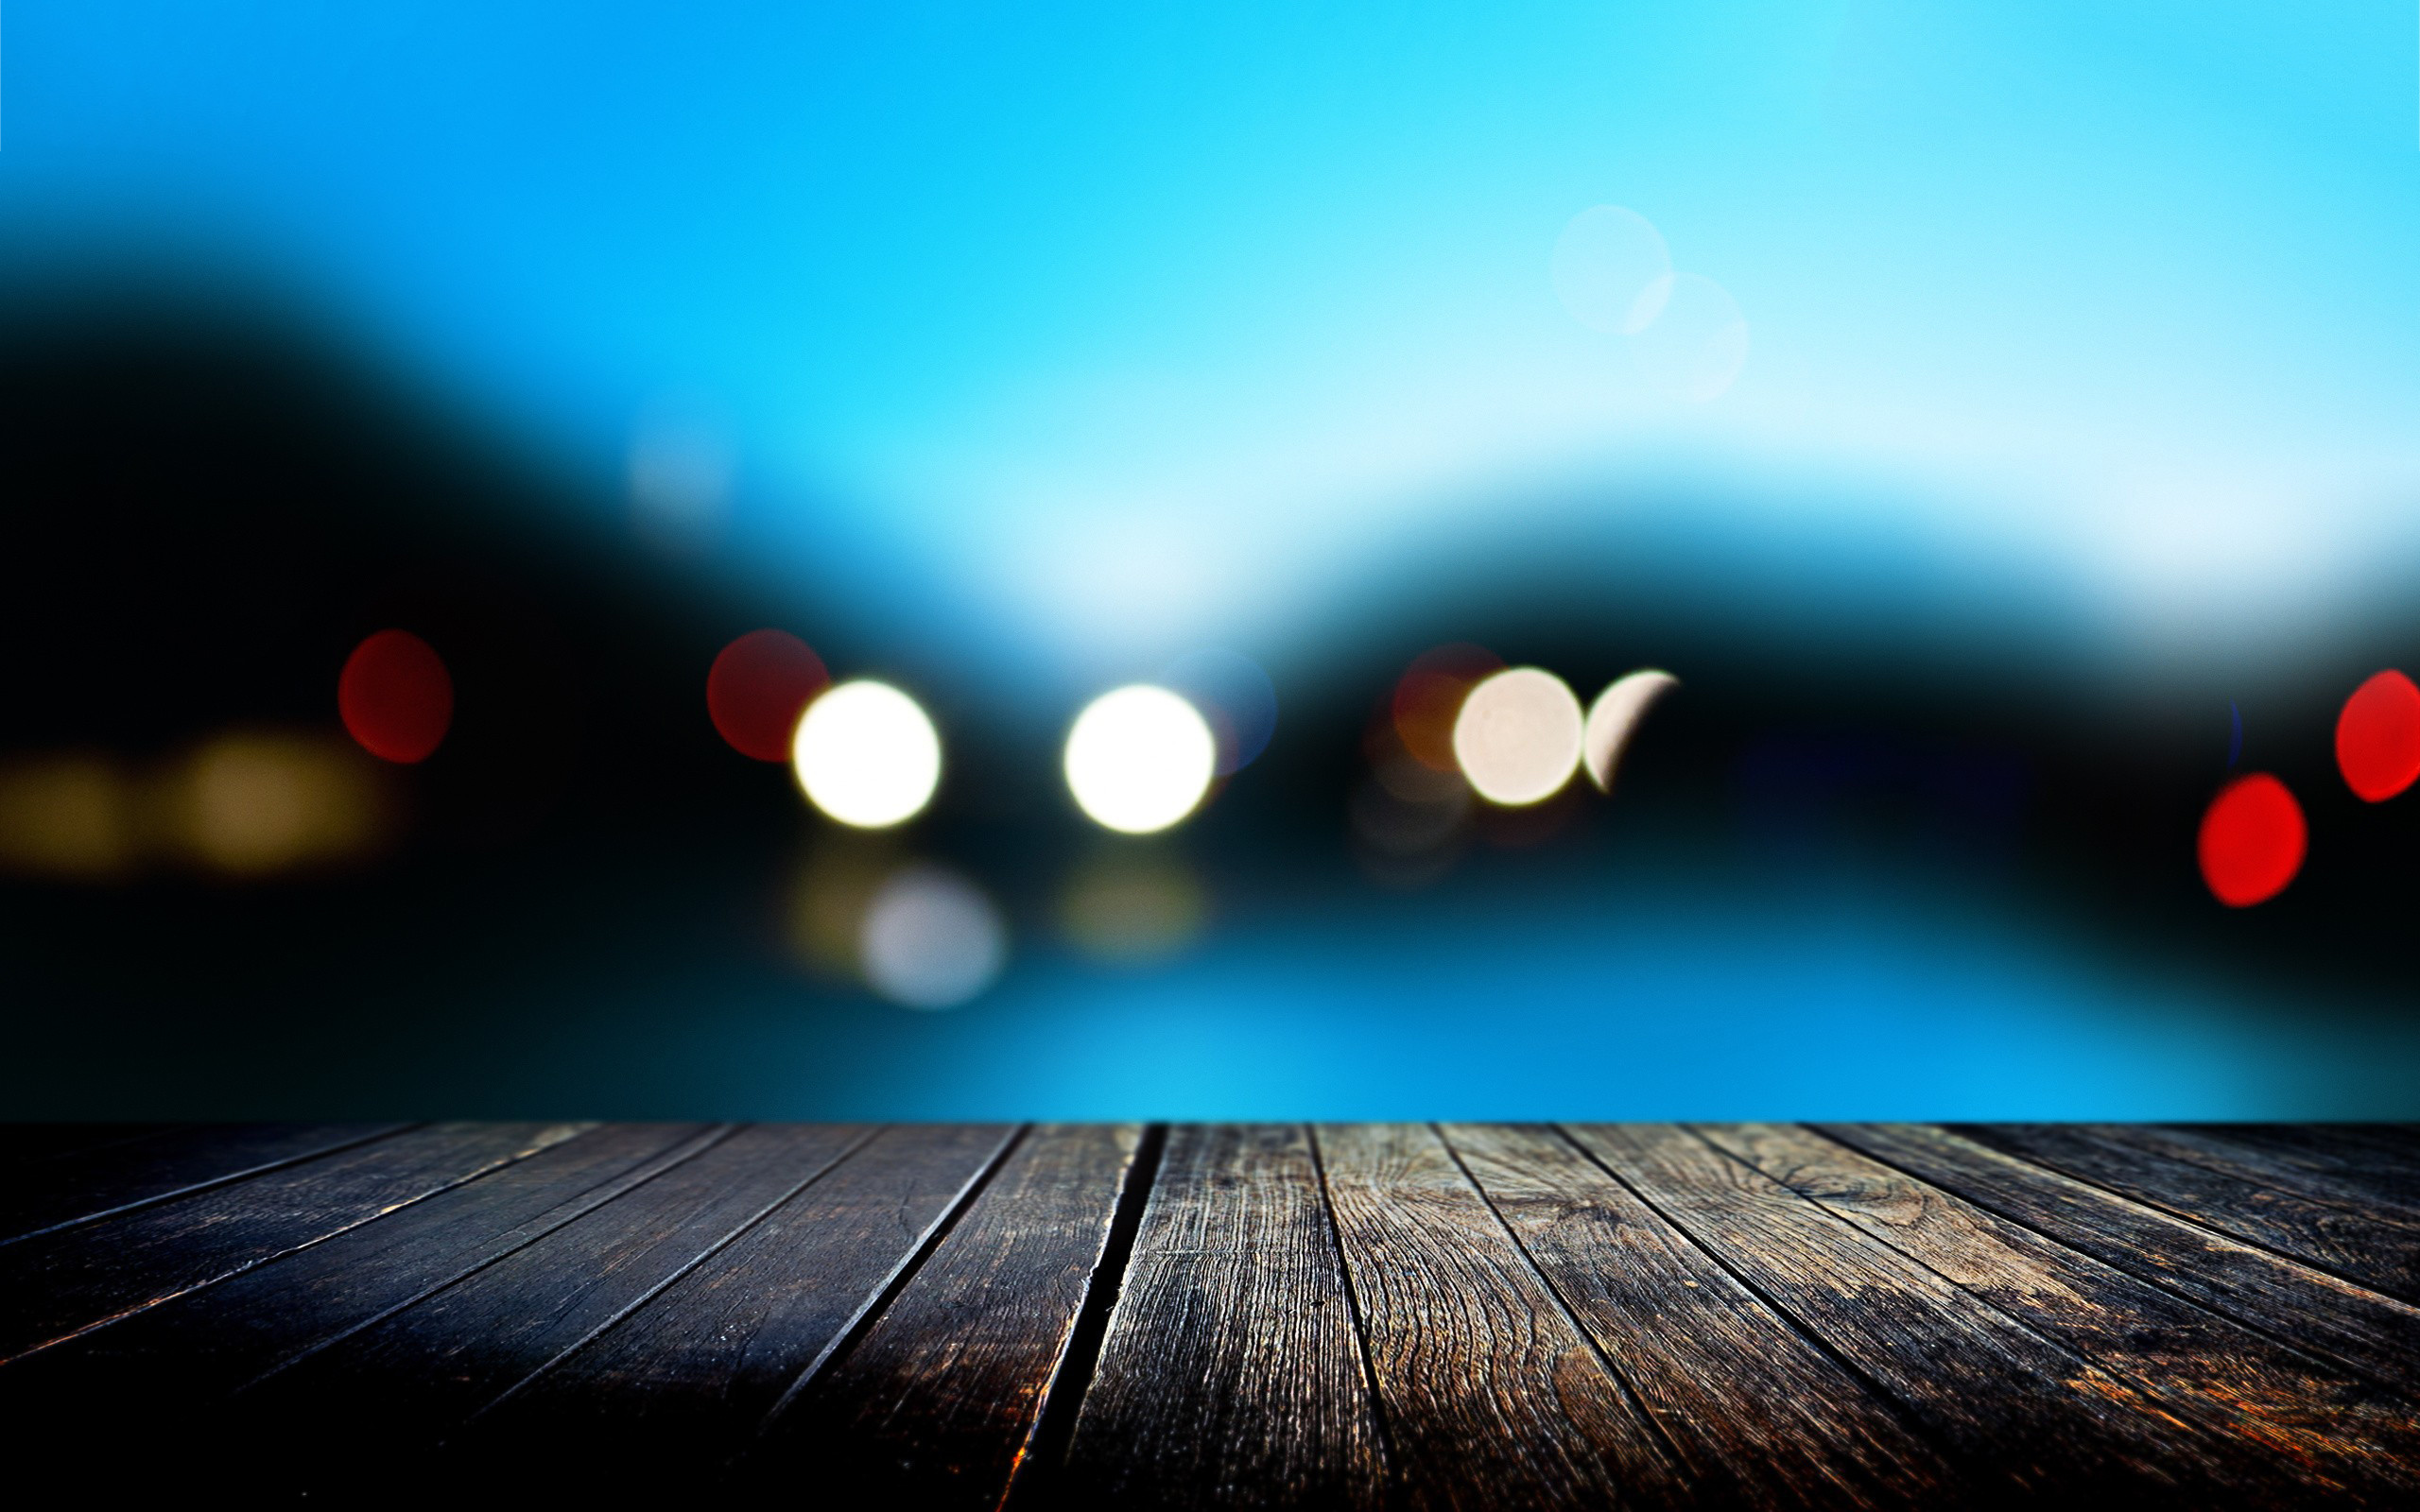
{"type": "Point", "coordinates": [1123, 328]}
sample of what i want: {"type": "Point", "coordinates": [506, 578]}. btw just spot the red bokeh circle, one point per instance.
{"type": "Point", "coordinates": [395, 696]}
{"type": "Point", "coordinates": [2378, 738]}
{"type": "Point", "coordinates": [1429, 694]}
{"type": "Point", "coordinates": [2252, 840]}
{"type": "Point", "coordinates": [757, 688]}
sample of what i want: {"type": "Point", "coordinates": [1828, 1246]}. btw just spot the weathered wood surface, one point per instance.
{"type": "Point", "coordinates": [2242, 1196]}
{"type": "Point", "coordinates": [1356, 1315]}
{"type": "Point", "coordinates": [1752, 1407]}
{"type": "Point", "coordinates": [1232, 1372]}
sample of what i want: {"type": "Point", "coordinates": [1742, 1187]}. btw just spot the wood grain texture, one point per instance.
{"type": "Point", "coordinates": [81, 1180]}
{"type": "Point", "coordinates": [683, 1381]}
{"type": "Point", "coordinates": [1088, 1316]}
{"type": "Point", "coordinates": [935, 1401]}
{"type": "Point", "coordinates": [74, 1279]}
{"type": "Point", "coordinates": [1491, 1394]}
{"type": "Point", "coordinates": [2345, 1207]}
{"type": "Point", "coordinates": [1755, 1412]}
{"type": "Point", "coordinates": [2351, 1161]}
{"type": "Point", "coordinates": [2376, 1335]}
{"type": "Point", "coordinates": [2270, 1419]}
{"type": "Point", "coordinates": [1231, 1374]}
{"type": "Point", "coordinates": [389, 1392]}
{"type": "Point", "coordinates": [2360, 1245]}
{"type": "Point", "coordinates": [2008, 1404]}
{"type": "Point", "coordinates": [209, 1342]}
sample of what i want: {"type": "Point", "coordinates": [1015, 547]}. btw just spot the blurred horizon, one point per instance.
{"type": "Point", "coordinates": [2002, 422]}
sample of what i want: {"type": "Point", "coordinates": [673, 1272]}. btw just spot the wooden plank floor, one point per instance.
{"type": "Point", "coordinates": [1107, 1316]}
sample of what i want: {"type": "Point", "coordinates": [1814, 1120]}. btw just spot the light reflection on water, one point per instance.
{"type": "Point", "coordinates": [1621, 1007]}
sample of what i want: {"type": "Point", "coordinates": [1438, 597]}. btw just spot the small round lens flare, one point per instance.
{"type": "Point", "coordinates": [2253, 841]}
{"type": "Point", "coordinates": [758, 687]}
{"type": "Point", "coordinates": [2378, 738]}
{"type": "Point", "coordinates": [1695, 342]}
{"type": "Point", "coordinates": [1517, 737]}
{"type": "Point", "coordinates": [1608, 264]}
{"type": "Point", "coordinates": [1429, 694]}
{"type": "Point", "coordinates": [395, 696]}
{"type": "Point", "coordinates": [867, 755]}
{"type": "Point", "coordinates": [1140, 758]}
{"type": "Point", "coordinates": [931, 939]}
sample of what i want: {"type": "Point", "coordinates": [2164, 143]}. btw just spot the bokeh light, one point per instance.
{"type": "Point", "coordinates": [834, 884]}
{"type": "Point", "coordinates": [931, 939]}
{"type": "Point", "coordinates": [1428, 696]}
{"type": "Point", "coordinates": [1235, 695]}
{"type": "Point", "coordinates": [395, 696]}
{"type": "Point", "coordinates": [2252, 840]}
{"type": "Point", "coordinates": [1696, 345]}
{"type": "Point", "coordinates": [1140, 758]}
{"type": "Point", "coordinates": [1127, 908]}
{"type": "Point", "coordinates": [1614, 718]}
{"type": "Point", "coordinates": [1610, 265]}
{"type": "Point", "coordinates": [2378, 738]}
{"type": "Point", "coordinates": [1517, 737]}
{"type": "Point", "coordinates": [756, 689]}
{"type": "Point", "coordinates": [74, 817]}
{"type": "Point", "coordinates": [867, 755]}
{"type": "Point", "coordinates": [1409, 821]}
{"type": "Point", "coordinates": [252, 803]}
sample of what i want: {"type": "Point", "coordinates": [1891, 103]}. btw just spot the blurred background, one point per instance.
{"type": "Point", "coordinates": [2004, 424]}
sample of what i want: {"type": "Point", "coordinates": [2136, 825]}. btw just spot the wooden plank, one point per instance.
{"type": "Point", "coordinates": [1489, 1391]}
{"type": "Point", "coordinates": [2353, 1162]}
{"type": "Point", "coordinates": [57, 1285]}
{"type": "Point", "coordinates": [2330, 1180]}
{"type": "Point", "coordinates": [210, 1342]}
{"type": "Point", "coordinates": [387, 1393]}
{"type": "Point", "coordinates": [2374, 1336]}
{"type": "Point", "coordinates": [2010, 1404]}
{"type": "Point", "coordinates": [1760, 1415]}
{"type": "Point", "coordinates": [116, 1175]}
{"type": "Point", "coordinates": [2270, 1417]}
{"type": "Point", "coordinates": [937, 1400]}
{"type": "Point", "coordinates": [1231, 1373]}
{"type": "Point", "coordinates": [675, 1387]}
{"type": "Point", "coordinates": [2346, 1240]}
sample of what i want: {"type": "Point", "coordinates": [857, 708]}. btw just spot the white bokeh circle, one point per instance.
{"type": "Point", "coordinates": [867, 754]}
{"type": "Point", "coordinates": [1140, 758]}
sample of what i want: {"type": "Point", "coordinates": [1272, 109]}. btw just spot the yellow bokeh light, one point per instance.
{"type": "Point", "coordinates": [252, 803]}
{"type": "Point", "coordinates": [1140, 758]}
{"type": "Point", "coordinates": [867, 754]}
{"type": "Point", "coordinates": [1129, 908]}
{"type": "Point", "coordinates": [1518, 737]}
{"type": "Point", "coordinates": [72, 816]}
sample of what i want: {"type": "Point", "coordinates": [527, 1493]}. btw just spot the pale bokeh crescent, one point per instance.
{"type": "Point", "coordinates": [1615, 715]}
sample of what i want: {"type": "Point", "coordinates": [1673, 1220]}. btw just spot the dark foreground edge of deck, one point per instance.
{"type": "Point", "coordinates": [1344, 1315]}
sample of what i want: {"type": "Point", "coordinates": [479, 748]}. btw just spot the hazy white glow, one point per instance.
{"type": "Point", "coordinates": [867, 755]}
{"type": "Point", "coordinates": [930, 938]}
{"type": "Point", "coordinates": [679, 478]}
{"type": "Point", "coordinates": [1615, 715]}
{"type": "Point", "coordinates": [1612, 269]}
{"type": "Point", "coordinates": [1140, 758]}
{"type": "Point", "coordinates": [1517, 737]}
